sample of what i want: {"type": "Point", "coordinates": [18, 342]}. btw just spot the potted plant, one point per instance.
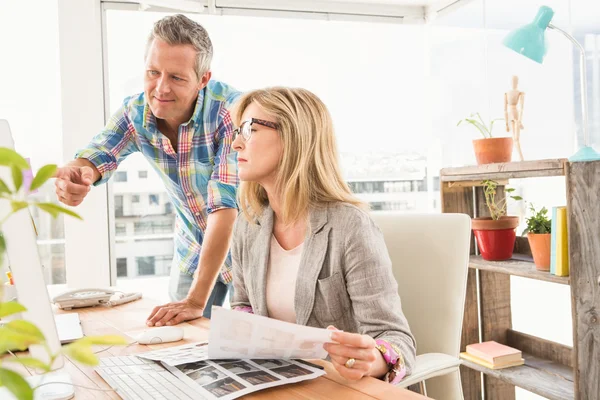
{"type": "Point", "coordinates": [539, 228]}
{"type": "Point", "coordinates": [20, 334]}
{"type": "Point", "coordinates": [489, 149]}
{"type": "Point", "coordinates": [496, 234]}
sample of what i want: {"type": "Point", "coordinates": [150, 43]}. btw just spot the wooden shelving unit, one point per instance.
{"type": "Point", "coordinates": [551, 370]}
{"type": "Point", "coordinates": [525, 269]}
{"type": "Point", "coordinates": [546, 378]}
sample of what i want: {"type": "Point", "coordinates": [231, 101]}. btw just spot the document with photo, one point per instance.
{"type": "Point", "coordinates": [230, 379]}
{"type": "Point", "coordinates": [187, 353]}
{"type": "Point", "coordinates": [235, 334]}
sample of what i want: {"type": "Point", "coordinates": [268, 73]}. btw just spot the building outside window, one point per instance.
{"type": "Point", "coordinates": [145, 265]}
{"type": "Point", "coordinates": [120, 176]}
{"type": "Point", "coordinates": [122, 267]}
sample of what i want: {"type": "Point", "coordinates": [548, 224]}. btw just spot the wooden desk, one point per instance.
{"type": "Point", "coordinates": [129, 319]}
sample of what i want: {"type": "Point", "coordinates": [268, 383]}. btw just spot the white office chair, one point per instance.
{"type": "Point", "coordinates": [430, 255]}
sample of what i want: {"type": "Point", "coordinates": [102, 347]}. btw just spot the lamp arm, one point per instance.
{"type": "Point", "coordinates": [583, 75]}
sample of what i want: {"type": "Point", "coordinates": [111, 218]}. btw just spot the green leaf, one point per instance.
{"type": "Point", "coordinates": [18, 205]}
{"type": "Point", "coordinates": [10, 157]}
{"type": "Point", "coordinates": [509, 190]}
{"type": "Point", "coordinates": [45, 173]}
{"type": "Point", "coordinates": [102, 340]}
{"type": "Point", "coordinates": [16, 384]}
{"type": "Point", "coordinates": [4, 188]}
{"type": "Point", "coordinates": [81, 353]}
{"type": "Point", "coordinates": [10, 308]}
{"type": "Point", "coordinates": [516, 198]}
{"type": "Point", "coordinates": [25, 328]}
{"type": "Point", "coordinates": [54, 210]}
{"type": "Point", "coordinates": [17, 175]}
{"type": "Point", "coordinates": [11, 340]}
{"type": "Point", "coordinates": [28, 362]}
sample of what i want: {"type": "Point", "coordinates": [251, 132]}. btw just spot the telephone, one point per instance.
{"type": "Point", "coordinates": [93, 297]}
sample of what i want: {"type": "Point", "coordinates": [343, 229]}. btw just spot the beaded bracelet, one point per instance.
{"type": "Point", "coordinates": [393, 358]}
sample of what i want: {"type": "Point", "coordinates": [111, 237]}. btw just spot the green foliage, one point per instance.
{"type": "Point", "coordinates": [16, 384]}
{"type": "Point", "coordinates": [45, 173]}
{"type": "Point", "coordinates": [538, 222]}
{"type": "Point", "coordinates": [497, 208]}
{"type": "Point", "coordinates": [18, 200]}
{"type": "Point", "coordinates": [478, 123]}
{"type": "Point", "coordinates": [20, 334]}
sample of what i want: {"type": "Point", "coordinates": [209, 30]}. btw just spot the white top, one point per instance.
{"type": "Point", "coordinates": [281, 281]}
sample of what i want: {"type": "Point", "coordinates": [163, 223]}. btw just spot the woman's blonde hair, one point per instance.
{"type": "Point", "coordinates": [309, 173]}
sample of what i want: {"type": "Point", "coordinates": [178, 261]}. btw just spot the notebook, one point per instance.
{"type": "Point", "coordinates": [494, 352]}
{"type": "Point", "coordinates": [486, 364]}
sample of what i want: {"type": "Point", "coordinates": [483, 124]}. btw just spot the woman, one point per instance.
{"type": "Point", "coordinates": [304, 248]}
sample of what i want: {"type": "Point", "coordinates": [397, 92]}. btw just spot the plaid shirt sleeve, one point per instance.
{"type": "Point", "coordinates": [112, 145]}
{"type": "Point", "coordinates": [224, 179]}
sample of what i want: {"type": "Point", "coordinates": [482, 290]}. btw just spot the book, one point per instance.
{"type": "Point", "coordinates": [476, 360]}
{"type": "Point", "coordinates": [562, 243]}
{"type": "Point", "coordinates": [553, 242]}
{"type": "Point", "coordinates": [494, 352]}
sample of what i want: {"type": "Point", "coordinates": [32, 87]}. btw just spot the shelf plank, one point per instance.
{"type": "Point", "coordinates": [516, 267]}
{"type": "Point", "coordinates": [523, 169]}
{"type": "Point", "coordinates": [545, 378]}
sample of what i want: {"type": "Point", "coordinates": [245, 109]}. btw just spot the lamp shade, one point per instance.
{"type": "Point", "coordinates": [530, 40]}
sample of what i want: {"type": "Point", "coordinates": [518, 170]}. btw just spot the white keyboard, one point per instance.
{"type": "Point", "coordinates": [139, 379]}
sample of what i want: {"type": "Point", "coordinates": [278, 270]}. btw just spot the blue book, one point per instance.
{"type": "Point", "coordinates": [553, 242]}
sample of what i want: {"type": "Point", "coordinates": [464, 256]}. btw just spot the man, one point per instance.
{"type": "Point", "coordinates": [182, 126]}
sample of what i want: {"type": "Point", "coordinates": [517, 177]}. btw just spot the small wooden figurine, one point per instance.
{"type": "Point", "coordinates": [513, 113]}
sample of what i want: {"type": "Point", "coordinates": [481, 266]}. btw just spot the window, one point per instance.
{"type": "Point", "coordinates": [122, 267]}
{"type": "Point", "coordinates": [153, 226]}
{"type": "Point", "coordinates": [145, 265]}
{"type": "Point", "coordinates": [471, 71]}
{"type": "Point", "coordinates": [316, 69]}
{"type": "Point", "coordinates": [153, 199]}
{"type": "Point", "coordinates": [119, 206]}
{"type": "Point", "coordinates": [120, 229]}
{"type": "Point", "coordinates": [135, 198]}
{"type": "Point", "coordinates": [36, 131]}
{"type": "Point", "coordinates": [120, 176]}
{"type": "Point", "coordinates": [143, 174]}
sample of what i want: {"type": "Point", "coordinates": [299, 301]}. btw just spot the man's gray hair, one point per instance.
{"type": "Point", "coordinates": [179, 29]}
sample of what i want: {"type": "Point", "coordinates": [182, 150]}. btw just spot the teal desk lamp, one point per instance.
{"type": "Point", "coordinates": [530, 41]}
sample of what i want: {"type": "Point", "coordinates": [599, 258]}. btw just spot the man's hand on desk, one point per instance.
{"type": "Point", "coordinates": [175, 313]}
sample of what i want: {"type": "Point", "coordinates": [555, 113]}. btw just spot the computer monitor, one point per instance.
{"type": "Point", "coordinates": [25, 265]}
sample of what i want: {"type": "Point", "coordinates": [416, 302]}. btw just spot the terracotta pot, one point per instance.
{"type": "Point", "coordinates": [493, 150]}
{"type": "Point", "coordinates": [495, 239]}
{"type": "Point", "coordinates": [540, 248]}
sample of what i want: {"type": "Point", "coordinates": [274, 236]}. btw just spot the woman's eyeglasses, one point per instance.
{"type": "Point", "coordinates": [245, 129]}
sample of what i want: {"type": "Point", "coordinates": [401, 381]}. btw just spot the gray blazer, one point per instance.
{"type": "Point", "coordinates": [345, 276]}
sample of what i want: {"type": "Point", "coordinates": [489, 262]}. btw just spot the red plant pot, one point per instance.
{"type": "Point", "coordinates": [496, 245]}
{"type": "Point", "coordinates": [495, 238]}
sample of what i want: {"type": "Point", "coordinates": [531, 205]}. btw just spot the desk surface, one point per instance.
{"type": "Point", "coordinates": [129, 319]}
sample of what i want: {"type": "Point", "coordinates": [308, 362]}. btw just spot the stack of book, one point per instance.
{"type": "Point", "coordinates": [493, 355]}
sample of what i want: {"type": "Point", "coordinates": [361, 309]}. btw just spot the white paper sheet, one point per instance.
{"type": "Point", "coordinates": [241, 335]}
{"type": "Point", "coordinates": [187, 353]}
